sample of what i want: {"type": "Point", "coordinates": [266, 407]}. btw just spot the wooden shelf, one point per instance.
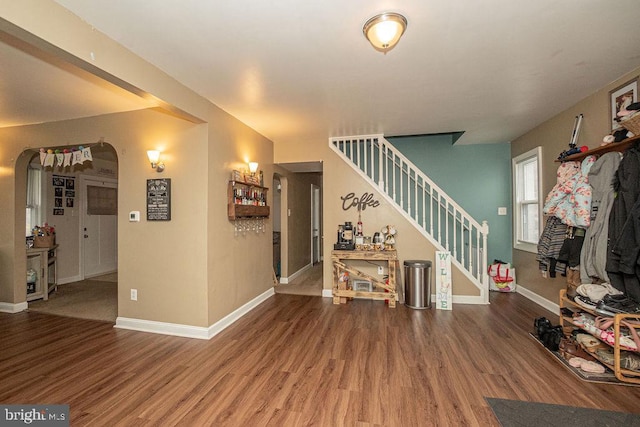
{"type": "Point", "coordinates": [614, 146]}
{"type": "Point", "coordinates": [239, 210]}
{"type": "Point", "coordinates": [623, 375]}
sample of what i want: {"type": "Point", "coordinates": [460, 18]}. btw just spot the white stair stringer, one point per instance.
{"type": "Point", "coordinates": [416, 197]}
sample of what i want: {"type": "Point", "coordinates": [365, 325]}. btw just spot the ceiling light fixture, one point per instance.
{"type": "Point", "coordinates": [384, 31]}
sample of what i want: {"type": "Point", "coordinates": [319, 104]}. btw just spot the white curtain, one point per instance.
{"type": "Point", "coordinates": [34, 198]}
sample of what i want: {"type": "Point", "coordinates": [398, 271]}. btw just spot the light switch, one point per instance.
{"type": "Point", "coordinates": [134, 216]}
{"type": "Point", "coordinates": [502, 211]}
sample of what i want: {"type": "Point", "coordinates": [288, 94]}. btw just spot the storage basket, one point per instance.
{"type": "Point", "coordinates": [44, 241]}
{"type": "Point", "coordinates": [632, 124]}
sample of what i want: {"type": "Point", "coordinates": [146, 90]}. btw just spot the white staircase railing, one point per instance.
{"type": "Point", "coordinates": [421, 201]}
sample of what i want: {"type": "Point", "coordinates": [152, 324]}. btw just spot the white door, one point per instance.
{"type": "Point", "coordinates": [315, 224]}
{"type": "Point", "coordinates": [99, 227]}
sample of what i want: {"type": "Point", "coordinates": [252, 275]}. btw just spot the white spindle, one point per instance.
{"type": "Point", "coordinates": [455, 235]}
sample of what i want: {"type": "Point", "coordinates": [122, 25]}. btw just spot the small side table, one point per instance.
{"type": "Point", "coordinates": [340, 293]}
{"type": "Point", "coordinates": [44, 261]}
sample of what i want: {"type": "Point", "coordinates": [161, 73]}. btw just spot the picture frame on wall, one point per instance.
{"type": "Point", "coordinates": [620, 98]}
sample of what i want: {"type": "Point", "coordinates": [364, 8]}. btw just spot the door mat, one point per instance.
{"type": "Point", "coordinates": [607, 378]}
{"type": "Point", "coordinates": [516, 413]}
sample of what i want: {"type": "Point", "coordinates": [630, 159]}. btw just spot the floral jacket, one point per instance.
{"type": "Point", "coordinates": [570, 199]}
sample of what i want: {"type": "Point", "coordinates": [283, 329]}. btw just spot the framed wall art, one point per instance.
{"type": "Point", "coordinates": [620, 98]}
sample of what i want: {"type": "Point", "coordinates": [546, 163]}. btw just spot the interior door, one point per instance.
{"type": "Point", "coordinates": [315, 224]}
{"type": "Point", "coordinates": [99, 227]}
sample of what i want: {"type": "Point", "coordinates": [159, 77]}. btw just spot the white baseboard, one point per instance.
{"type": "Point", "coordinates": [188, 330]}
{"type": "Point", "coordinates": [6, 307]}
{"type": "Point", "coordinates": [286, 280]}
{"type": "Point", "coordinates": [163, 328]}
{"type": "Point", "coordinates": [467, 299]}
{"type": "Point", "coordinates": [457, 299]}
{"type": "Point", "coordinates": [543, 302]}
{"type": "Point", "coordinates": [69, 280]}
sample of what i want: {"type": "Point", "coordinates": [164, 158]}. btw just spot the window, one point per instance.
{"type": "Point", "coordinates": [526, 199]}
{"type": "Point", "coordinates": [35, 202]}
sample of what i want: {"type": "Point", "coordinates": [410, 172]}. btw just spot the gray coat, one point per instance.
{"type": "Point", "coordinates": [593, 257]}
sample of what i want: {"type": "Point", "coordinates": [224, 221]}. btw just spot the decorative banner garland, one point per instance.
{"type": "Point", "coordinates": [66, 157]}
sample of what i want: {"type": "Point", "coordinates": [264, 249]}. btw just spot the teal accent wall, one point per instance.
{"type": "Point", "coordinates": [477, 177]}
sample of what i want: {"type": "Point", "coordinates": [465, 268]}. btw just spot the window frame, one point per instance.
{"type": "Point", "coordinates": [38, 210]}
{"type": "Point", "coordinates": [516, 163]}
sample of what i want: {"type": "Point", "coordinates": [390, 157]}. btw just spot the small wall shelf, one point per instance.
{"type": "Point", "coordinates": [614, 146]}
{"type": "Point", "coordinates": [246, 200]}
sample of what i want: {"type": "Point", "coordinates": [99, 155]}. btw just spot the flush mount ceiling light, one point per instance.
{"type": "Point", "coordinates": [384, 31]}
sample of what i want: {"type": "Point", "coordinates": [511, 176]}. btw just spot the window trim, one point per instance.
{"type": "Point", "coordinates": [517, 243]}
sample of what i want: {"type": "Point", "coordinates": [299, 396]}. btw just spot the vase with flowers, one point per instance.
{"type": "Point", "coordinates": [44, 236]}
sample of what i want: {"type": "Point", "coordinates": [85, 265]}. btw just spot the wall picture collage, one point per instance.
{"type": "Point", "coordinates": [64, 191]}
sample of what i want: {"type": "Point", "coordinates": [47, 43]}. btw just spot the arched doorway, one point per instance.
{"type": "Point", "coordinates": [80, 202]}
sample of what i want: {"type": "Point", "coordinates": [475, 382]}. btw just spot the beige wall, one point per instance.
{"type": "Point", "coordinates": [143, 247]}
{"type": "Point", "coordinates": [239, 267]}
{"type": "Point", "coordinates": [191, 270]}
{"type": "Point", "coordinates": [554, 135]}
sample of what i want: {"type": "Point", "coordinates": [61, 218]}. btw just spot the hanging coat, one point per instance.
{"type": "Point", "coordinates": [570, 199]}
{"type": "Point", "coordinates": [593, 257]}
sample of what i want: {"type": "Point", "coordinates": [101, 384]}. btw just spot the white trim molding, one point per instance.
{"type": "Point", "coordinates": [189, 331]}
{"type": "Point", "coordinates": [286, 280]}
{"type": "Point", "coordinates": [457, 299]}
{"type": "Point", "coordinates": [543, 302]}
{"type": "Point", "coordinates": [6, 307]}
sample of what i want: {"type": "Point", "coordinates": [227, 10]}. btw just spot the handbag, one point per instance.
{"type": "Point", "coordinates": [501, 277]}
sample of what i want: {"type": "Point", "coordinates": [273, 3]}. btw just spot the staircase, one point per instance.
{"type": "Point", "coordinates": [431, 211]}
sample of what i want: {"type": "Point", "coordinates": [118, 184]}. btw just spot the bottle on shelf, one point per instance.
{"type": "Point", "coordinates": [359, 224]}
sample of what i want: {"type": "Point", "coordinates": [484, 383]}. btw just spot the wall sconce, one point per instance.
{"type": "Point", "coordinates": [384, 31]}
{"type": "Point", "coordinates": [253, 167]}
{"type": "Point", "coordinates": [154, 158]}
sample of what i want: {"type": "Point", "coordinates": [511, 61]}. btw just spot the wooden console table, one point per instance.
{"type": "Point", "coordinates": [43, 259]}
{"type": "Point", "coordinates": [341, 293]}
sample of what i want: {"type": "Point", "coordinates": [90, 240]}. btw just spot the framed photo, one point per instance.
{"type": "Point", "coordinates": [70, 184]}
{"type": "Point", "coordinates": [620, 98]}
{"type": "Point", "coordinates": [58, 181]}
{"type": "Point", "coordinates": [58, 191]}
{"type": "Point", "coordinates": [58, 211]}
{"type": "Point", "coordinates": [69, 202]}
{"type": "Point", "coordinates": [70, 193]}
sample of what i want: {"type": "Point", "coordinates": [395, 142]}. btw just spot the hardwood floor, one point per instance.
{"type": "Point", "coordinates": [297, 361]}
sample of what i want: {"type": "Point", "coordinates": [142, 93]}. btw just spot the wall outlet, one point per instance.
{"type": "Point", "coordinates": [380, 269]}
{"type": "Point", "coordinates": [134, 295]}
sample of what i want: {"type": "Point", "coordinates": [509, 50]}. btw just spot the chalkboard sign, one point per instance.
{"type": "Point", "coordinates": [159, 199]}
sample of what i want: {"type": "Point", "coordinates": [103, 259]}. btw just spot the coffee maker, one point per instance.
{"type": "Point", "coordinates": [346, 240]}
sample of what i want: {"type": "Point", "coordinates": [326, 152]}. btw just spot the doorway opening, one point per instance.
{"type": "Point", "coordinates": [80, 202]}
{"type": "Point", "coordinates": [297, 217]}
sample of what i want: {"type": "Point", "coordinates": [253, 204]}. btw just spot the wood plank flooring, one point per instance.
{"type": "Point", "coordinates": [297, 361]}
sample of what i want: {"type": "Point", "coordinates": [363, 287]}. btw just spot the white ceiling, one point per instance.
{"type": "Point", "coordinates": [300, 71]}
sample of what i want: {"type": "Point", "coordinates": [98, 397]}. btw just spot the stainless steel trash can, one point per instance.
{"type": "Point", "coordinates": [417, 284]}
